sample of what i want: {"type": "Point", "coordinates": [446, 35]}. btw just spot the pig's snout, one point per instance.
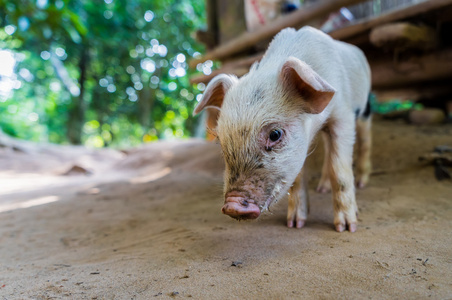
{"type": "Point", "coordinates": [239, 207]}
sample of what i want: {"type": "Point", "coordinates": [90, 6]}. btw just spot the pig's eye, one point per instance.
{"type": "Point", "coordinates": [275, 135]}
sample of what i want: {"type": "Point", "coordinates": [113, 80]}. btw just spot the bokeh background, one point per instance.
{"type": "Point", "coordinates": [99, 73]}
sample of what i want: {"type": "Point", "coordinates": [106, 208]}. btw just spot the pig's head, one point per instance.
{"type": "Point", "coordinates": [264, 127]}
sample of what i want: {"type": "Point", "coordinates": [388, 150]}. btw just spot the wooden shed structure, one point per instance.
{"type": "Point", "coordinates": [408, 42]}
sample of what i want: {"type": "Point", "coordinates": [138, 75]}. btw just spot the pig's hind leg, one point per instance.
{"type": "Point", "coordinates": [340, 139]}
{"type": "Point", "coordinates": [364, 143]}
{"type": "Point", "coordinates": [298, 202]}
{"type": "Point", "coordinates": [324, 185]}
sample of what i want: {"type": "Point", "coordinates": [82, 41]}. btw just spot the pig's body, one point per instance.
{"type": "Point", "coordinates": [306, 82]}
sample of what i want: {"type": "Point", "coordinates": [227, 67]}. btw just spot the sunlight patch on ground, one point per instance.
{"type": "Point", "coordinates": [151, 177]}
{"type": "Point", "coordinates": [26, 182]}
{"type": "Point", "coordinates": [29, 203]}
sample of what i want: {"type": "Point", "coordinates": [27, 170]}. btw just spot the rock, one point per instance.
{"type": "Point", "coordinates": [77, 170]}
{"type": "Point", "coordinates": [427, 116]}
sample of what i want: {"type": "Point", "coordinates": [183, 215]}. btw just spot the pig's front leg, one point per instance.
{"type": "Point", "coordinates": [297, 212]}
{"type": "Point", "coordinates": [340, 139]}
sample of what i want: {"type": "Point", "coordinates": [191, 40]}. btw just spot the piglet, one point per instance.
{"type": "Point", "coordinates": [306, 83]}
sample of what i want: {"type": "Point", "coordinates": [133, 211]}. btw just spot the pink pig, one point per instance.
{"type": "Point", "coordinates": [305, 83]}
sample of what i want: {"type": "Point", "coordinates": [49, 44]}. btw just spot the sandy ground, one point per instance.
{"type": "Point", "coordinates": [147, 224]}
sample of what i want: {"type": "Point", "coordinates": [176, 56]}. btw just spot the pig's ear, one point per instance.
{"type": "Point", "coordinates": [214, 94]}
{"type": "Point", "coordinates": [312, 89]}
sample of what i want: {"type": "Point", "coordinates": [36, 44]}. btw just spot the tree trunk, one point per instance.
{"type": "Point", "coordinates": [77, 110]}
{"type": "Point", "coordinates": [145, 103]}
{"type": "Point", "coordinates": [146, 99]}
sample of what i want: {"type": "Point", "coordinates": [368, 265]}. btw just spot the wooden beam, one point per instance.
{"type": "Point", "coordinates": [295, 19]}
{"type": "Point", "coordinates": [385, 74]}
{"type": "Point", "coordinates": [415, 92]}
{"type": "Point", "coordinates": [238, 71]}
{"type": "Point", "coordinates": [434, 66]}
{"type": "Point", "coordinates": [304, 15]}
{"type": "Point", "coordinates": [350, 33]}
{"type": "Point", "coordinates": [396, 15]}
{"type": "Point", "coordinates": [237, 67]}
{"type": "Point", "coordinates": [404, 35]}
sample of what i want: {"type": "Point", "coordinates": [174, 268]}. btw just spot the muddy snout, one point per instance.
{"type": "Point", "coordinates": [240, 207]}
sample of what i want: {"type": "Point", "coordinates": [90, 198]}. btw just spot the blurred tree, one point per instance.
{"type": "Point", "coordinates": [103, 73]}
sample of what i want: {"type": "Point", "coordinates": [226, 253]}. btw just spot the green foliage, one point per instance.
{"type": "Point", "coordinates": [110, 72]}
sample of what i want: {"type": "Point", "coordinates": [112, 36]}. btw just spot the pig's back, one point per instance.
{"type": "Point", "coordinates": [324, 54]}
{"type": "Point", "coordinates": [342, 65]}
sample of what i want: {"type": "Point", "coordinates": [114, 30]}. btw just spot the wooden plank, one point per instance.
{"type": "Point", "coordinates": [415, 92]}
{"type": "Point", "coordinates": [434, 66]}
{"type": "Point", "coordinates": [385, 74]}
{"type": "Point", "coordinates": [238, 71]}
{"type": "Point", "coordinates": [295, 19]}
{"type": "Point", "coordinates": [396, 15]}
{"type": "Point", "coordinates": [404, 35]}
{"type": "Point", "coordinates": [238, 67]}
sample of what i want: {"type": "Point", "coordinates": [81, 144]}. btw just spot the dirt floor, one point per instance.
{"type": "Point", "coordinates": [147, 223]}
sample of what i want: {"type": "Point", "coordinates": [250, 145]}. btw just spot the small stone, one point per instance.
{"type": "Point", "coordinates": [236, 264]}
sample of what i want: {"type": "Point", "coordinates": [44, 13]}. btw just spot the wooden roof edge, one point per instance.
{"type": "Point", "coordinates": [236, 68]}
{"type": "Point", "coordinates": [294, 19]}
{"type": "Point", "coordinates": [400, 13]}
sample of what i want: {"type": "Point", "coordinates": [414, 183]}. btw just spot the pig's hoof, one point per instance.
{"type": "Point", "coordinates": [296, 223]}
{"type": "Point", "coordinates": [346, 219]}
{"type": "Point", "coordinates": [324, 186]}
{"type": "Point", "coordinates": [352, 227]}
{"type": "Point", "coordinates": [361, 183]}
{"type": "Point", "coordinates": [362, 180]}
{"type": "Point", "coordinates": [340, 227]}
{"type": "Point", "coordinates": [323, 190]}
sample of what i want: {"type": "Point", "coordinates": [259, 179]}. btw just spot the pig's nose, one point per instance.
{"type": "Point", "coordinates": [239, 207]}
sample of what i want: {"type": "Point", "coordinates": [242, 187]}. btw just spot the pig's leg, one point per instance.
{"type": "Point", "coordinates": [298, 202]}
{"type": "Point", "coordinates": [324, 183]}
{"type": "Point", "coordinates": [364, 139]}
{"type": "Point", "coordinates": [340, 138]}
